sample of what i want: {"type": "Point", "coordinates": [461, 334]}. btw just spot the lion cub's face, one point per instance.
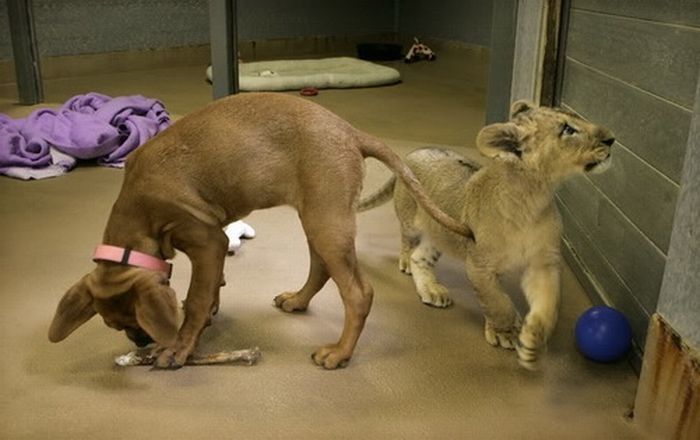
{"type": "Point", "coordinates": [551, 141]}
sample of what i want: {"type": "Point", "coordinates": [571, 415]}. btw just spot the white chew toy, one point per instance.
{"type": "Point", "coordinates": [148, 357]}
{"type": "Point", "coordinates": [235, 231]}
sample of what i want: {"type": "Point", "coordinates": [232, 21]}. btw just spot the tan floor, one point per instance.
{"type": "Point", "coordinates": [418, 372]}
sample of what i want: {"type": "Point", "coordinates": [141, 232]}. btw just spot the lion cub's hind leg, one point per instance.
{"type": "Point", "coordinates": [406, 210]}
{"type": "Point", "coordinates": [422, 263]}
{"type": "Point", "coordinates": [418, 256]}
{"type": "Point", "coordinates": [410, 238]}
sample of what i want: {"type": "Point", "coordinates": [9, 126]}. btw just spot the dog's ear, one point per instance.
{"type": "Point", "coordinates": [519, 107]}
{"type": "Point", "coordinates": [74, 310]}
{"type": "Point", "coordinates": [499, 139]}
{"type": "Point", "coordinates": [156, 309]}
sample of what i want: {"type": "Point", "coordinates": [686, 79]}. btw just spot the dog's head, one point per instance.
{"type": "Point", "coordinates": [554, 141]}
{"type": "Point", "coordinates": [136, 300]}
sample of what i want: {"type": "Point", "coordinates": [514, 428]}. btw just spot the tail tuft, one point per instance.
{"type": "Point", "coordinates": [380, 197]}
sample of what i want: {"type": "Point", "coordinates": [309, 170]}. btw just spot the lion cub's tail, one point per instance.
{"type": "Point", "coordinates": [373, 147]}
{"type": "Point", "coordinates": [380, 197]}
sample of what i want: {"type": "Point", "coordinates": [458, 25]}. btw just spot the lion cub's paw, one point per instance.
{"type": "Point", "coordinates": [506, 338]}
{"type": "Point", "coordinates": [531, 342]}
{"type": "Point", "coordinates": [527, 357]}
{"type": "Point", "coordinates": [291, 302]}
{"type": "Point", "coordinates": [331, 357]}
{"type": "Point", "coordinates": [435, 294]}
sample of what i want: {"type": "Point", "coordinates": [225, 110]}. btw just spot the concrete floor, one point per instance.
{"type": "Point", "coordinates": [418, 372]}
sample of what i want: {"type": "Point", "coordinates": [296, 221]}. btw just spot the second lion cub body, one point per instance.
{"type": "Point", "coordinates": [509, 206]}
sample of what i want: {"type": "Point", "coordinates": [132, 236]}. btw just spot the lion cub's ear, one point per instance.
{"type": "Point", "coordinates": [500, 139]}
{"type": "Point", "coordinates": [520, 106]}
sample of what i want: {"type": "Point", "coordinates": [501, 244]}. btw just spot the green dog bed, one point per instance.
{"type": "Point", "coordinates": [340, 73]}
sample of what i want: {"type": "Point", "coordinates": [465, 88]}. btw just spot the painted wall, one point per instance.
{"type": "Point", "coordinates": [5, 44]}
{"type": "Point", "coordinates": [269, 19]}
{"type": "Point", "coordinates": [633, 68]}
{"type": "Point", "coordinates": [72, 27]}
{"type": "Point", "coordinates": [459, 20]}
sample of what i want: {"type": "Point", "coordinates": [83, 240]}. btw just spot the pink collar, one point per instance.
{"type": "Point", "coordinates": [131, 257]}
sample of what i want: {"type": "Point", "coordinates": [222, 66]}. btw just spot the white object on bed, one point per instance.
{"type": "Point", "coordinates": [340, 72]}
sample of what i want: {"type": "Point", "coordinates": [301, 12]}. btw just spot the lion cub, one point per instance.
{"type": "Point", "coordinates": [510, 207]}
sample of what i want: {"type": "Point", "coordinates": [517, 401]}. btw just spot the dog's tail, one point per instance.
{"type": "Point", "coordinates": [373, 147]}
{"type": "Point", "coordinates": [380, 197]}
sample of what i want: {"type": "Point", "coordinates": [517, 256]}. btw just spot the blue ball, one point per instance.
{"type": "Point", "coordinates": [603, 334]}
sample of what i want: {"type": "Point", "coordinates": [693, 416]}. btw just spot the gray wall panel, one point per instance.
{"type": "Point", "coordinates": [633, 186]}
{"type": "Point", "coordinates": [592, 262]}
{"type": "Point", "coordinates": [631, 66]}
{"type": "Point", "coordinates": [669, 11]}
{"type": "Point", "coordinates": [679, 301]}
{"type": "Point", "coordinates": [662, 59]}
{"type": "Point", "coordinates": [653, 128]}
{"type": "Point", "coordinates": [630, 254]}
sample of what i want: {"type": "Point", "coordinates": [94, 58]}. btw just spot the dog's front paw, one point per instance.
{"type": "Point", "coordinates": [435, 294]}
{"type": "Point", "coordinates": [502, 337]}
{"type": "Point", "coordinates": [291, 302]}
{"type": "Point", "coordinates": [170, 359]}
{"type": "Point", "coordinates": [331, 357]}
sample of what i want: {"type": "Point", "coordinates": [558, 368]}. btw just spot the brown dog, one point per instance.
{"type": "Point", "coordinates": [215, 166]}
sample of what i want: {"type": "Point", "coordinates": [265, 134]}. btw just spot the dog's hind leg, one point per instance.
{"type": "Point", "coordinates": [299, 301]}
{"type": "Point", "coordinates": [206, 248]}
{"type": "Point", "coordinates": [331, 233]}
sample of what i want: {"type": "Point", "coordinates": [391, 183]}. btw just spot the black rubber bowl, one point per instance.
{"type": "Point", "coordinates": [379, 51]}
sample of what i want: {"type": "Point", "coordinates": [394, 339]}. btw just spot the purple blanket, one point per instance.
{"type": "Point", "coordinates": [92, 126]}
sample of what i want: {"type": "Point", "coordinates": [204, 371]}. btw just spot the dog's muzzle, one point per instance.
{"type": "Point", "coordinates": [138, 337]}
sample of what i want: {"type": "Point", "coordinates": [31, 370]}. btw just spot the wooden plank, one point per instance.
{"type": "Point", "coordinates": [662, 59]}
{"type": "Point", "coordinates": [588, 261]}
{"type": "Point", "coordinates": [671, 11]}
{"type": "Point", "coordinates": [667, 404]}
{"type": "Point", "coordinates": [637, 261]}
{"type": "Point", "coordinates": [654, 129]}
